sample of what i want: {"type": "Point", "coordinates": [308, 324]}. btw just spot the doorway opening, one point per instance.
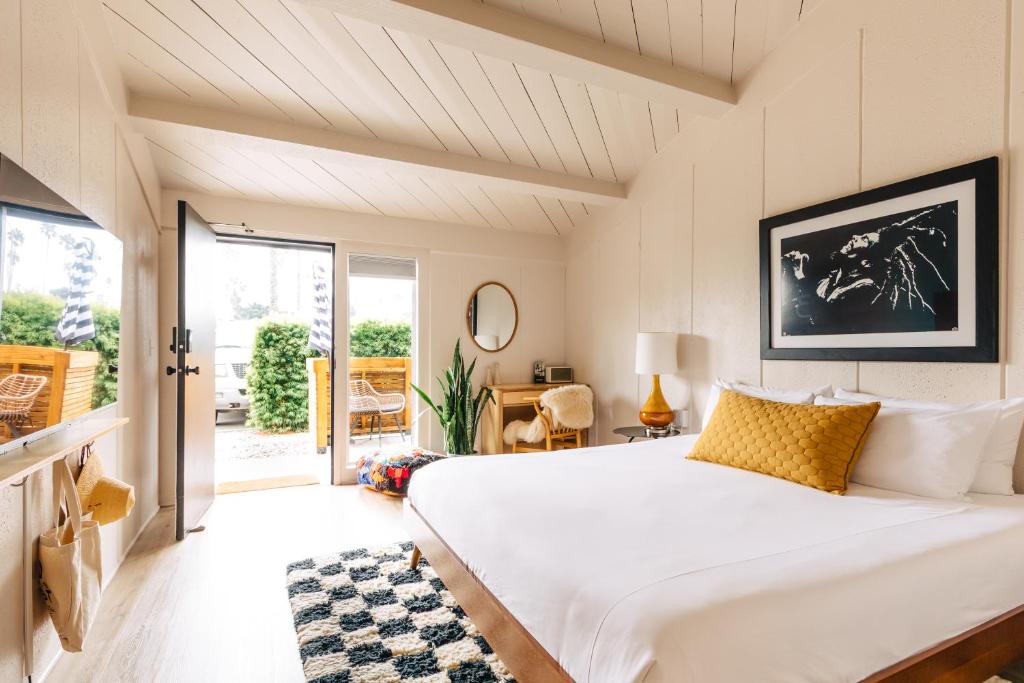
{"type": "Point", "coordinates": [382, 353]}
{"type": "Point", "coordinates": [274, 330]}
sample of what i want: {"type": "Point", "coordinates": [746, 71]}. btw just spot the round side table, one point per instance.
{"type": "Point", "coordinates": [640, 432]}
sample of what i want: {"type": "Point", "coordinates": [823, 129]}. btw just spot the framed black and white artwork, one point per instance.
{"type": "Point", "coordinates": [904, 272]}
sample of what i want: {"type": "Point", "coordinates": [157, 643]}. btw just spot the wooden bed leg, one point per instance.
{"type": "Point", "coordinates": [414, 561]}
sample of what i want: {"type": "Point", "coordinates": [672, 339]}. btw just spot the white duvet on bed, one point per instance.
{"type": "Point", "coordinates": [630, 563]}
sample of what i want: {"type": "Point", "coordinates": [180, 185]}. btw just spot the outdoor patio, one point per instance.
{"type": "Point", "coordinates": [245, 454]}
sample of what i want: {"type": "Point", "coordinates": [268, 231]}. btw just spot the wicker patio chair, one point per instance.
{"type": "Point", "coordinates": [363, 399]}
{"type": "Point", "coordinates": [18, 393]}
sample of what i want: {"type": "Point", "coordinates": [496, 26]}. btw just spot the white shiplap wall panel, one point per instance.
{"type": "Point", "coordinates": [464, 213]}
{"type": "Point", "coordinates": [211, 159]}
{"type": "Point", "coordinates": [295, 186]}
{"type": "Point", "coordinates": [556, 213]}
{"type": "Point", "coordinates": [407, 81]}
{"type": "Point", "coordinates": [507, 82]}
{"type": "Point", "coordinates": [441, 80]}
{"type": "Point", "coordinates": [581, 17]}
{"type": "Point", "coordinates": [181, 166]}
{"type": "Point", "coordinates": [553, 115]}
{"type": "Point", "coordinates": [532, 213]}
{"type": "Point", "coordinates": [460, 202]}
{"type": "Point", "coordinates": [578, 212]}
{"type": "Point", "coordinates": [508, 5]}
{"type": "Point", "coordinates": [587, 128]}
{"type": "Point", "coordinates": [751, 35]}
{"type": "Point", "coordinates": [427, 196]}
{"type": "Point", "coordinates": [49, 93]}
{"type": "Point", "coordinates": [547, 11]}
{"type": "Point", "coordinates": [170, 57]}
{"type": "Point", "coordinates": [208, 35]}
{"type": "Point", "coordinates": [639, 126]}
{"type": "Point", "coordinates": [652, 28]}
{"type": "Point", "coordinates": [616, 17]}
{"type": "Point", "coordinates": [686, 29]}
{"type": "Point", "coordinates": [472, 78]}
{"type": "Point", "coordinates": [171, 69]}
{"type": "Point", "coordinates": [367, 79]}
{"type": "Point", "coordinates": [417, 206]}
{"type": "Point", "coordinates": [250, 174]}
{"type": "Point", "coordinates": [624, 157]}
{"type": "Point", "coordinates": [381, 190]}
{"type": "Point", "coordinates": [346, 186]}
{"type": "Point", "coordinates": [664, 123]}
{"type": "Point", "coordinates": [10, 81]}
{"type": "Point", "coordinates": [335, 94]}
{"type": "Point", "coordinates": [783, 16]}
{"type": "Point", "coordinates": [483, 203]}
{"type": "Point", "coordinates": [141, 78]}
{"type": "Point", "coordinates": [521, 214]}
{"type": "Point", "coordinates": [315, 52]}
{"type": "Point", "coordinates": [325, 180]}
{"type": "Point", "coordinates": [378, 190]}
{"type": "Point", "coordinates": [717, 38]}
{"type": "Point", "coordinates": [96, 146]}
{"type": "Point", "coordinates": [244, 29]}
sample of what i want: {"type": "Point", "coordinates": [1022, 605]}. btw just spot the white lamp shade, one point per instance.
{"type": "Point", "coordinates": [656, 353]}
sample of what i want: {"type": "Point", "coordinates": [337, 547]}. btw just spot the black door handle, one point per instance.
{"type": "Point", "coordinates": [170, 370]}
{"type": "Point", "coordinates": [174, 341]}
{"type": "Point", "coordinates": [191, 371]}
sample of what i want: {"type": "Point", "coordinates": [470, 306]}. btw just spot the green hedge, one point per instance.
{"type": "Point", "coordinates": [30, 319]}
{"type": "Point", "coordinates": [374, 339]}
{"type": "Point", "coordinates": [277, 378]}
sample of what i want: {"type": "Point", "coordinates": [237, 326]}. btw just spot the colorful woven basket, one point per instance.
{"type": "Point", "coordinates": [389, 472]}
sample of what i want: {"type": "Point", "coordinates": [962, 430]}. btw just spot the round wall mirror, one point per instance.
{"type": "Point", "coordinates": [492, 316]}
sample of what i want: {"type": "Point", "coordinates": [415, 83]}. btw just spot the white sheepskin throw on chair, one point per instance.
{"type": "Point", "coordinates": [568, 407]}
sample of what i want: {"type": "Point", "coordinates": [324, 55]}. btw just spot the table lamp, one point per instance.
{"type": "Point", "coordinates": [655, 355]}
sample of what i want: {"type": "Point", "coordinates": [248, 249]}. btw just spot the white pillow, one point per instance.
{"type": "Point", "coordinates": [996, 469]}
{"type": "Point", "coordinates": [767, 393]}
{"type": "Point", "coordinates": [925, 452]}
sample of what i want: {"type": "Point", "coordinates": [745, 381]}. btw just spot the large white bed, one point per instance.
{"type": "Point", "coordinates": [629, 563]}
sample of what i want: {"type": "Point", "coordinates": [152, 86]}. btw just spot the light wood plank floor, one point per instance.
{"type": "Point", "coordinates": [214, 607]}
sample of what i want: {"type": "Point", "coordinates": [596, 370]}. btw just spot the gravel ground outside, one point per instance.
{"type": "Point", "coordinates": [244, 453]}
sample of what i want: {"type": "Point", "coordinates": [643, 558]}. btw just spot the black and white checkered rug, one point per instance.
{"type": "Point", "coordinates": [362, 616]}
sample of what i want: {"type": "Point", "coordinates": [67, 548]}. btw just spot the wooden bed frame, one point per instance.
{"type": "Point", "coordinates": [970, 657]}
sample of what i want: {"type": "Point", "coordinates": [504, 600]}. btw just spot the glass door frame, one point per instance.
{"type": "Point", "coordinates": [344, 471]}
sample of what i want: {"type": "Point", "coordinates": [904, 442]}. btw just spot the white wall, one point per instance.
{"type": "Point", "coordinates": [860, 95]}
{"type": "Point", "coordinates": [61, 118]}
{"type": "Point", "coordinates": [453, 261]}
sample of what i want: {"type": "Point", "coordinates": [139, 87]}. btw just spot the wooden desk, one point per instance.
{"type": "Point", "coordinates": [511, 402]}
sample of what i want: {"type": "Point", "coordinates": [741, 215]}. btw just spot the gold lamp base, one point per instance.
{"type": "Point", "coordinates": [656, 411]}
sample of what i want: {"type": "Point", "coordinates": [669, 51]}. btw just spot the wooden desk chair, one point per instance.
{"type": "Point", "coordinates": [555, 439]}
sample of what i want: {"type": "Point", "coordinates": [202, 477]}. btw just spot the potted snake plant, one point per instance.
{"type": "Point", "coordinates": [459, 411]}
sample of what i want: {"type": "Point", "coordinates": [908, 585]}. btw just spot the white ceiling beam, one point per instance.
{"type": "Point", "coordinates": [240, 131]}
{"type": "Point", "coordinates": [523, 40]}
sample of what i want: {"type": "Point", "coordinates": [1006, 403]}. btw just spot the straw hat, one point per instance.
{"type": "Point", "coordinates": [88, 477]}
{"type": "Point", "coordinates": [111, 500]}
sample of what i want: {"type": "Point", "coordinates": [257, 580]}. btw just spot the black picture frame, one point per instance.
{"type": "Point", "coordinates": [985, 174]}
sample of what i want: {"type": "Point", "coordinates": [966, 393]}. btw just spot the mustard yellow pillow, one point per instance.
{"type": "Point", "coordinates": [812, 445]}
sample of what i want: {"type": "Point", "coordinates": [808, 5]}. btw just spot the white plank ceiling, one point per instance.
{"type": "Point", "coordinates": [297, 62]}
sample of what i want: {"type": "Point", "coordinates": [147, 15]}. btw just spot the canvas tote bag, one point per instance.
{"type": "Point", "coordinates": [70, 557]}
